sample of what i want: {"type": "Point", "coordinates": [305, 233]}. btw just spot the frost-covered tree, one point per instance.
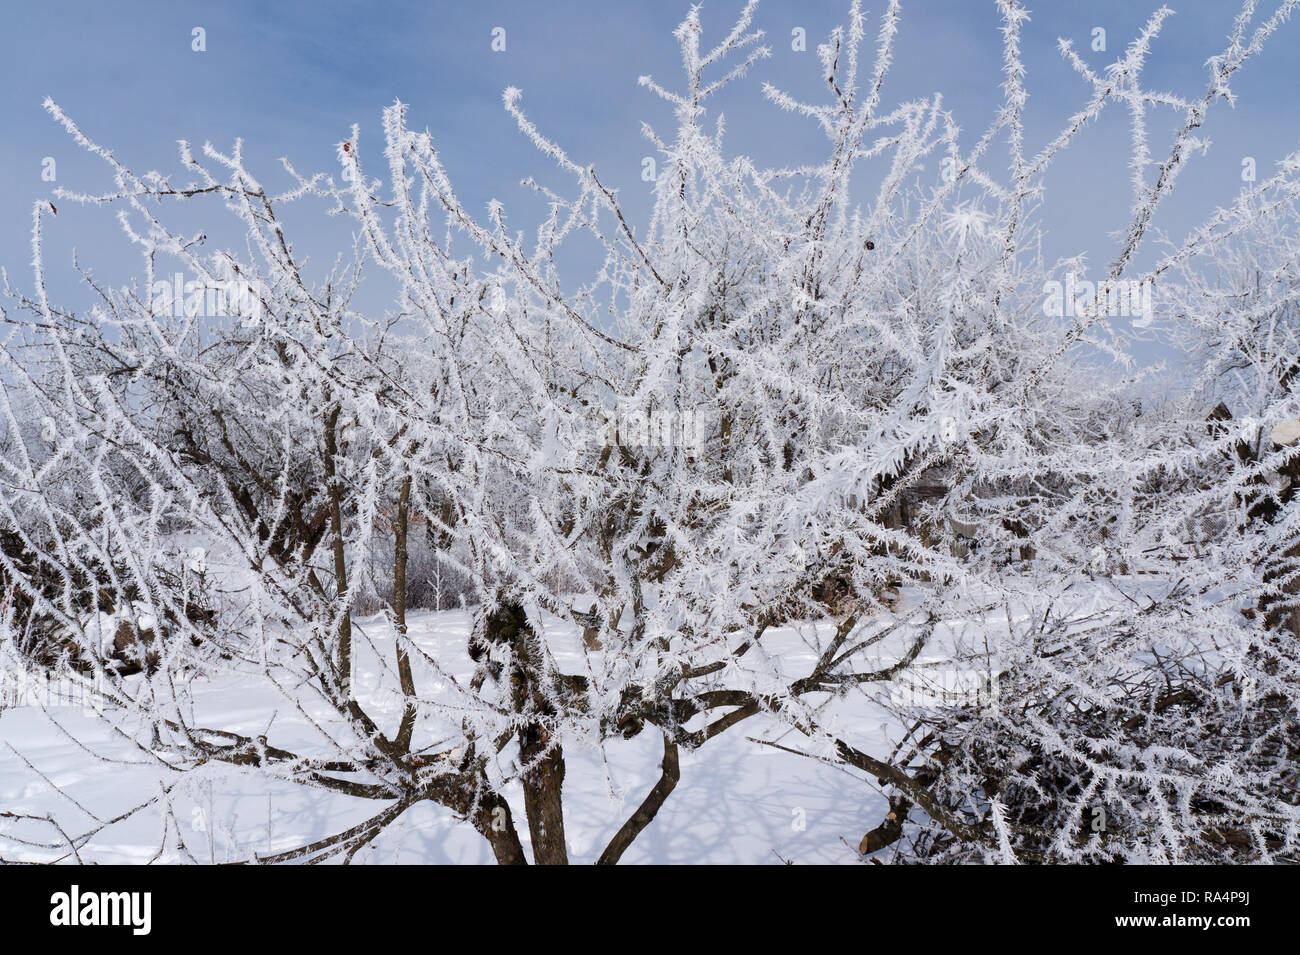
{"type": "Point", "coordinates": [793, 394]}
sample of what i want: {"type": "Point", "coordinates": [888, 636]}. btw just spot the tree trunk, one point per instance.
{"type": "Point", "coordinates": [335, 497]}
{"type": "Point", "coordinates": [403, 741]}
{"type": "Point", "coordinates": [494, 822]}
{"type": "Point", "coordinates": [648, 809]}
{"type": "Point", "coordinates": [543, 794]}
{"type": "Point", "coordinates": [543, 778]}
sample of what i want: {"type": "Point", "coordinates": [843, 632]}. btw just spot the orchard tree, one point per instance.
{"type": "Point", "coordinates": [792, 394]}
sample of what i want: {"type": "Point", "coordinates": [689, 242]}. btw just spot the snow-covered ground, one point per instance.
{"type": "Point", "coordinates": [738, 801]}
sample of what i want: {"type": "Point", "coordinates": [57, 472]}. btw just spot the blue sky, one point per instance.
{"type": "Point", "coordinates": [292, 77]}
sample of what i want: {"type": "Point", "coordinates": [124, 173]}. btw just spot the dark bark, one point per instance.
{"type": "Point", "coordinates": [539, 752]}
{"type": "Point", "coordinates": [648, 809]}
{"type": "Point", "coordinates": [543, 794]}
{"type": "Point", "coordinates": [495, 823]}
{"type": "Point", "coordinates": [334, 494]}
{"type": "Point", "coordinates": [403, 741]}
{"type": "Point", "coordinates": [889, 831]}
